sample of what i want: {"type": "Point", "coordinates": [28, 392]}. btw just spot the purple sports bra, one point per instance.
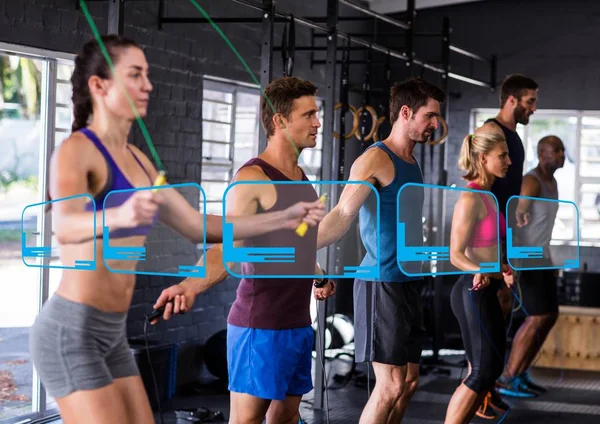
{"type": "Point", "coordinates": [116, 181]}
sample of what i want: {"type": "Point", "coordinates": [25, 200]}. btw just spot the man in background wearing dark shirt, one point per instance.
{"type": "Point", "coordinates": [518, 101]}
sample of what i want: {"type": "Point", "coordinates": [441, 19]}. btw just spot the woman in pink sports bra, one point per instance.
{"type": "Point", "coordinates": [78, 343]}
{"type": "Point", "coordinates": [477, 235]}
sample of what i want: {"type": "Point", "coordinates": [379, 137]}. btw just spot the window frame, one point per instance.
{"type": "Point", "coordinates": [578, 180]}
{"type": "Point", "coordinates": [50, 60]}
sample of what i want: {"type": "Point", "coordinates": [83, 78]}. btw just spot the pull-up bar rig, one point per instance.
{"type": "Point", "coordinates": [331, 162]}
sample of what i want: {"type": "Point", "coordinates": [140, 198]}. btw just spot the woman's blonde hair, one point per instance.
{"type": "Point", "coordinates": [474, 145]}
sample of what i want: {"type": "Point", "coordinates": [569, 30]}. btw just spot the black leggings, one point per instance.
{"type": "Point", "coordinates": [482, 327]}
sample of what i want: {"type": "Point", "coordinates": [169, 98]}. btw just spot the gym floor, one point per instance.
{"type": "Point", "coordinates": [573, 398]}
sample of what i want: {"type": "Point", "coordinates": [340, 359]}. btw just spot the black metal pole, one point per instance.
{"type": "Point", "coordinates": [330, 164]}
{"type": "Point", "coordinates": [266, 55]}
{"type": "Point", "coordinates": [442, 182]}
{"type": "Point", "coordinates": [116, 13]}
{"type": "Point", "coordinates": [493, 72]}
{"type": "Point", "coordinates": [190, 20]}
{"type": "Point", "coordinates": [410, 34]}
{"type": "Point", "coordinates": [379, 16]}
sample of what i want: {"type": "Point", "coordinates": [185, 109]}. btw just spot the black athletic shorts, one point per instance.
{"type": "Point", "coordinates": [388, 322]}
{"type": "Point", "coordinates": [539, 291]}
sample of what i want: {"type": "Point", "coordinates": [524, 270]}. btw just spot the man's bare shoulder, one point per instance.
{"type": "Point", "coordinates": [251, 173]}
{"type": "Point", "coordinates": [373, 157]}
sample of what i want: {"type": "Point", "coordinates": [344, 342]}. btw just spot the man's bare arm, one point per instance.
{"type": "Point", "coordinates": [531, 188]}
{"type": "Point", "coordinates": [338, 220]}
{"type": "Point", "coordinates": [242, 199]}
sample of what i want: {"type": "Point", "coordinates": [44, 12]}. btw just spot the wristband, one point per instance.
{"type": "Point", "coordinates": [320, 283]}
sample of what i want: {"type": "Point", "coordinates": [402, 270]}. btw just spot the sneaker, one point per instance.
{"type": "Point", "coordinates": [485, 410]}
{"type": "Point", "coordinates": [497, 402]}
{"type": "Point", "coordinates": [531, 385]}
{"type": "Point", "coordinates": [515, 387]}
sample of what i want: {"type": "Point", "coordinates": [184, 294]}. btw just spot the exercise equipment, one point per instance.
{"type": "Point", "coordinates": [443, 137]}
{"type": "Point", "coordinates": [198, 415]}
{"type": "Point", "coordinates": [366, 111]}
{"type": "Point", "coordinates": [288, 47]}
{"type": "Point", "coordinates": [215, 355]}
{"type": "Point", "coordinates": [344, 102]}
{"type": "Point", "coordinates": [384, 125]}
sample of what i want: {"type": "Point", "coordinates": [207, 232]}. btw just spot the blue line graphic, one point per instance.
{"type": "Point", "coordinates": [47, 252]}
{"type": "Point", "coordinates": [139, 253]}
{"type": "Point", "coordinates": [232, 254]}
{"type": "Point", "coordinates": [523, 258]}
{"type": "Point", "coordinates": [423, 253]}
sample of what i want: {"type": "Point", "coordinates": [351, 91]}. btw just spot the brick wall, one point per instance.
{"type": "Point", "coordinates": [178, 56]}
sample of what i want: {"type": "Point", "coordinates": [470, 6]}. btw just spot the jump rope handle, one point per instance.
{"type": "Point", "coordinates": [303, 227]}
{"type": "Point", "coordinates": [161, 178]}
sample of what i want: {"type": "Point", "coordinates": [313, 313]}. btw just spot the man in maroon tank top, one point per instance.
{"type": "Point", "coordinates": [269, 333]}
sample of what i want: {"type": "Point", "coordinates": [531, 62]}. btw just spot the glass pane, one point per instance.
{"type": "Point", "coordinates": [215, 151]}
{"type": "Point", "coordinates": [311, 158]}
{"type": "Point", "coordinates": [242, 155]}
{"type": "Point", "coordinates": [589, 212]}
{"type": "Point", "coordinates": [64, 119]}
{"type": "Point", "coordinates": [217, 95]}
{"type": "Point", "coordinates": [214, 173]}
{"type": "Point", "coordinates": [214, 208]}
{"type": "Point", "coordinates": [215, 191]}
{"type": "Point", "coordinates": [590, 147]}
{"type": "Point", "coordinates": [64, 93]}
{"type": "Point", "coordinates": [246, 128]}
{"type": "Point", "coordinates": [60, 136]}
{"type": "Point", "coordinates": [21, 135]}
{"type": "Point", "coordinates": [216, 132]}
{"type": "Point", "coordinates": [64, 71]}
{"type": "Point", "coordinates": [216, 111]}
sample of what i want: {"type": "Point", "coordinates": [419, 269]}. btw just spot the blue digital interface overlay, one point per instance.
{"type": "Point", "coordinates": [283, 260]}
{"type": "Point", "coordinates": [117, 252]}
{"type": "Point", "coordinates": [530, 228]}
{"type": "Point", "coordinates": [39, 255]}
{"type": "Point", "coordinates": [417, 258]}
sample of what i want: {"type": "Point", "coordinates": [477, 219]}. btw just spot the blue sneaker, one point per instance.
{"type": "Point", "coordinates": [531, 385]}
{"type": "Point", "coordinates": [514, 387]}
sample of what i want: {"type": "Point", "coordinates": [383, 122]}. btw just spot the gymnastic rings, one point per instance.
{"type": "Point", "coordinates": [374, 124]}
{"type": "Point", "coordinates": [444, 135]}
{"type": "Point", "coordinates": [379, 122]}
{"type": "Point", "coordinates": [354, 122]}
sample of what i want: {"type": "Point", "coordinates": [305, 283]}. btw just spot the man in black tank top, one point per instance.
{"type": "Point", "coordinates": [518, 101]}
{"type": "Point", "coordinates": [269, 332]}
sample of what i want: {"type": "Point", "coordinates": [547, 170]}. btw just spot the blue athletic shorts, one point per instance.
{"type": "Point", "coordinates": [270, 364]}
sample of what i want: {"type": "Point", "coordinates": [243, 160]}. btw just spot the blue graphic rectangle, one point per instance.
{"type": "Point", "coordinates": [287, 254]}
{"type": "Point", "coordinates": [139, 253]}
{"type": "Point", "coordinates": [415, 255]}
{"type": "Point", "coordinates": [530, 257]}
{"type": "Point", "coordinates": [45, 253]}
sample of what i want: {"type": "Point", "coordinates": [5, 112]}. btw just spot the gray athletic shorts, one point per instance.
{"type": "Point", "coordinates": [77, 347]}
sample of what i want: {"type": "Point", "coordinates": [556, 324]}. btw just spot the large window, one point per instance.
{"type": "Point", "coordinates": [230, 124]}
{"type": "Point", "coordinates": [35, 113]}
{"type": "Point", "coordinates": [579, 179]}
